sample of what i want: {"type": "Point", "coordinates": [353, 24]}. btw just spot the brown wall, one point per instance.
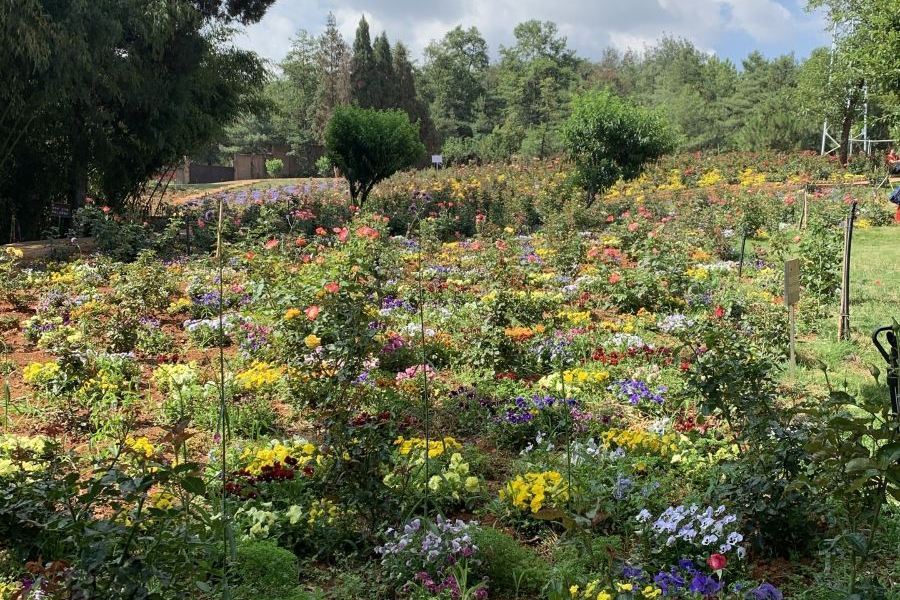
{"type": "Point", "coordinates": [249, 166]}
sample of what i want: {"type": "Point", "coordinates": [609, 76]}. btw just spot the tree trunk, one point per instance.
{"type": "Point", "coordinates": [79, 173]}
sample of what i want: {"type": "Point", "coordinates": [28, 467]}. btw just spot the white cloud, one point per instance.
{"type": "Point", "coordinates": [590, 25]}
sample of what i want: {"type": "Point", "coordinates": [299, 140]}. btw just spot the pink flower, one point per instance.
{"type": "Point", "coordinates": [633, 226]}
{"type": "Point", "coordinates": [271, 244]}
{"type": "Point", "coordinates": [717, 561]}
{"type": "Point", "coordinates": [312, 312]}
{"type": "Point", "coordinates": [321, 231]}
{"type": "Point", "coordinates": [332, 287]}
{"type": "Point", "coordinates": [501, 245]}
{"type": "Point", "coordinates": [615, 278]}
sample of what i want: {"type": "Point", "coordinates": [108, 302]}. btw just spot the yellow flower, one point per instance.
{"type": "Point", "coordinates": [624, 587]}
{"type": "Point", "coordinates": [573, 591]}
{"type": "Point", "coordinates": [312, 341]}
{"type": "Point", "coordinates": [141, 446]}
{"type": "Point", "coordinates": [259, 375]}
{"type": "Point", "coordinates": [651, 592]}
{"type": "Point", "coordinates": [604, 596]}
{"type": "Point", "coordinates": [292, 313]}
{"type": "Point", "coordinates": [14, 252]}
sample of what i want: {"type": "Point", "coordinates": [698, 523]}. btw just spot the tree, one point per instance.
{"type": "Point", "coordinates": [453, 81]}
{"type": "Point", "coordinates": [103, 94]}
{"type": "Point", "coordinates": [536, 76]}
{"type": "Point", "coordinates": [333, 59]}
{"type": "Point", "coordinates": [407, 97]}
{"type": "Point", "coordinates": [370, 145]}
{"type": "Point", "coordinates": [363, 78]}
{"type": "Point", "coordinates": [385, 88]}
{"type": "Point", "coordinates": [864, 59]}
{"type": "Point", "coordinates": [608, 138]}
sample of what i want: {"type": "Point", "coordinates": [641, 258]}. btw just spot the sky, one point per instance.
{"type": "Point", "coordinates": [728, 28]}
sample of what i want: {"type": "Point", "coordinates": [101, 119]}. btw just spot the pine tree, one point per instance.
{"type": "Point", "coordinates": [362, 68]}
{"type": "Point", "coordinates": [333, 60]}
{"type": "Point", "coordinates": [385, 89]}
{"type": "Point", "coordinates": [407, 97]}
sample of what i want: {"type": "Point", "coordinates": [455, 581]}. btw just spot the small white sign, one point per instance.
{"type": "Point", "coordinates": [437, 159]}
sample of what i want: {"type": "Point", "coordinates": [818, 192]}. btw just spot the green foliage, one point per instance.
{"type": "Point", "coordinates": [103, 95]}
{"type": "Point", "coordinates": [265, 571]}
{"type": "Point", "coordinates": [508, 565]}
{"type": "Point", "coordinates": [371, 145]}
{"type": "Point", "coordinates": [608, 139]}
{"type": "Point", "coordinates": [274, 167]}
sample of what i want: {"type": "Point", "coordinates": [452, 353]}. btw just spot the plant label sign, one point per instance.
{"type": "Point", "coordinates": [792, 281]}
{"type": "Point", "coordinates": [437, 159]}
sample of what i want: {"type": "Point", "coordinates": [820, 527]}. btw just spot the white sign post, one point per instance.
{"type": "Point", "coordinates": [437, 160]}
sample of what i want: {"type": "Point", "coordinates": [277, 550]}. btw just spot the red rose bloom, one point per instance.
{"type": "Point", "coordinates": [717, 561]}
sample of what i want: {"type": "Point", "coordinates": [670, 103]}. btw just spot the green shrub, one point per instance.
{"type": "Point", "coordinates": [370, 145]}
{"type": "Point", "coordinates": [509, 565]}
{"type": "Point", "coordinates": [608, 138]}
{"type": "Point", "coordinates": [274, 167]}
{"type": "Point", "coordinates": [266, 572]}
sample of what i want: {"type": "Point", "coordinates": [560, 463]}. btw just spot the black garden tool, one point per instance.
{"type": "Point", "coordinates": [892, 356]}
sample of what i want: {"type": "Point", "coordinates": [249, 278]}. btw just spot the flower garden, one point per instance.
{"type": "Point", "coordinates": [473, 387]}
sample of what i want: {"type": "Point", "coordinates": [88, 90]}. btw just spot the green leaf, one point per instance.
{"type": "Point", "coordinates": [859, 464]}
{"type": "Point", "coordinates": [194, 485]}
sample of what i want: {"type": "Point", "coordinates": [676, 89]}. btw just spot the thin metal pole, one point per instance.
{"type": "Point", "coordinates": [743, 246]}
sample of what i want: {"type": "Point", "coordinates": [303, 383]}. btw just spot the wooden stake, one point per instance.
{"type": "Point", "coordinates": [844, 321]}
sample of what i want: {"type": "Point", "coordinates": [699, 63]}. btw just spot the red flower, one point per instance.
{"type": "Point", "coordinates": [300, 242]}
{"type": "Point", "coordinates": [719, 312]}
{"type": "Point", "coordinates": [367, 232]}
{"type": "Point", "coordinates": [717, 561]}
{"type": "Point", "coordinates": [250, 255]}
{"type": "Point", "coordinates": [321, 231]}
{"type": "Point", "coordinates": [332, 287]}
{"type": "Point", "coordinates": [271, 244]}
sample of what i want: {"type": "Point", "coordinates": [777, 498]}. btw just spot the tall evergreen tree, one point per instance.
{"type": "Point", "coordinates": [363, 78]}
{"type": "Point", "coordinates": [385, 94]}
{"type": "Point", "coordinates": [333, 59]}
{"type": "Point", "coordinates": [408, 99]}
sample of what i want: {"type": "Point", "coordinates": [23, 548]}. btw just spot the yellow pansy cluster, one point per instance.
{"type": "Point", "coordinates": [697, 273]}
{"type": "Point", "coordinates": [709, 178]}
{"type": "Point", "coordinates": [623, 325]}
{"type": "Point", "coordinates": [638, 440]}
{"type": "Point", "coordinates": [312, 341]}
{"type": "Point", "coordinates": [141, 446]}
{"type": "Point", "coordinates": [277, 452]}
{"type": "Point", "coordinates": [749, 177]}
{"type": "Point", "coordinates": [40, 374]}
{"type": "Point", "coordinates": [13, 252]}
{"type": "Point", "coordinates": [292, 313]}
{"type": "Point", "coordinates": [260, 375]}
{"type": "Point", "coordinates": [179, 305]}
{"type": "Point", "coordinates": [595, 590]}
{"type": "Point", "coordinates": [435, 447]}
{"type": "Point", "coordinates": [533, 491]}
{"type": "Point", "coordinates": [674, 181]}
{"type": "Point", "coordinates": [572, 380]}
{"type": "Point", "coordinates": [575, 317]}
{"type": "Point", "coordinates": [13, 449]}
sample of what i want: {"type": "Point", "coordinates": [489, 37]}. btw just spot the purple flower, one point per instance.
{"type": "Point", "coordinates": [766, 591]}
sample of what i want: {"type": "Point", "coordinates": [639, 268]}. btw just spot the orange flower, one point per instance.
{"type": "Point", "coordinates": [615, 278]}
{"type": "Point", "coordinates": [300, 242]}
{"type": "Point", "coordinates": [321, 231]}
{"type": "Point", "coordinates": [271, 244]}
{"type": "Point", "coordinates": [332, 287]}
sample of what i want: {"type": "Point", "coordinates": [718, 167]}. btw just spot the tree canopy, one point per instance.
{"type": "Point", "coordinates": [369, 145]}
